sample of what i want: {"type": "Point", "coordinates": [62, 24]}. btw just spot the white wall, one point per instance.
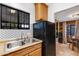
{"type": "Point", "coordinates": [50, 13]}
{"type": "Point", "coordinates": [56, 7]}
{"type": "Point", "coordinates": [28, 7]}
{"type": "Point", "coordinates": [62, 6]}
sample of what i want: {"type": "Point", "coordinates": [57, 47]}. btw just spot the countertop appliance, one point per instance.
{"type": "Point", "coordinates": [45, 31]}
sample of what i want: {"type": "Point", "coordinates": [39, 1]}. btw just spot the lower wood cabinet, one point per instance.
{"type": "Point", "coordinates": [26, 55]}
{"type": "Point", "coordinates": [35, 53]}
{"type": "Point", "coordinates": [34, 50]}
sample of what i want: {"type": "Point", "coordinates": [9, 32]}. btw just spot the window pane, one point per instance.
{"type": "Point", "coordinates": [3, 13]}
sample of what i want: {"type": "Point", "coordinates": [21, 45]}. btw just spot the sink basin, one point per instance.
{"type": "Point", "coordinates": [34, 40]}
{"type": "Point", "coordinates": [27, 41]}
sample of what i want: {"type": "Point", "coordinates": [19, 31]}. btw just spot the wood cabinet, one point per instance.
{"type": "Point", "coordinates": [35, 53]}
{"type": "Point", "coordinates": [34, 50]}
{"type": "Point", "coordinates": [41, 11]}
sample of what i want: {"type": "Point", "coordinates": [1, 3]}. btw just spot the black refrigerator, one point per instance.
{"type": "Point", "coordinates": [45, 31]}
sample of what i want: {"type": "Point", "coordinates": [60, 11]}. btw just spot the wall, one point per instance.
{"type": "Point", "coordinates": [51, 13]}
{"type": "Point", "coordinates": [56, 7]}
{"type": "Point", "coordinates": [62, 6]}
{"type": "Point", "coordinates": [11, 33]}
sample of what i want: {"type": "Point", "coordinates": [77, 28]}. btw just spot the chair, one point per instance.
{"type": "Point", "coordinates": [74, 42]}
{"type": "Point", "coordinates": [69, 40]}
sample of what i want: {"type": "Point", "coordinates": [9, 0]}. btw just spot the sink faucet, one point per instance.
{"type": "Point", "coordinates": [22, 35]}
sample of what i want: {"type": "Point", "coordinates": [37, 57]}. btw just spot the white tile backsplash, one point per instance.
{"type": "Point", "coordinates": [4, 34]}
{"type": "Point", "coordinates": [7, 34]}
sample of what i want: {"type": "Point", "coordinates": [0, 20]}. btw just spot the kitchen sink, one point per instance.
{"type": "Point", "coordinates": [19, 42]}
{"type": "Point", "coordinates": [24, 41]}
{"type": "Point", "coordinates": [34, 40]}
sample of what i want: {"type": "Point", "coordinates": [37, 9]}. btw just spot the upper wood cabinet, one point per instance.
{"type": "Point", "coordinates": [41, 11]}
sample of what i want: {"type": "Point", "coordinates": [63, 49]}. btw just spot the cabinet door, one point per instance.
{"type": "Point", "coordinates": [44, 12]}
{"type": "Point", "coordinates": [36, 52]}
{"type": "Point", "coordinates": [41, 11]}
{"type": "Point", "coordinates": [27, 20]}
{"type": "Point", "coordinates": [21, 20]}
{"type": "Point", "coordinates": [26, 55]}
{"type": "Point", "coordinates": [14, 19]}
{"type": "Point", "coordinates": [14, 15]}
{"type": "Point", "coordinates": [0, 16]}
{"type": "Point", "coordinates": [8, 10]}
{"type": "Point", "coordinates": [9, 18]}
{"type": "Point", "coordinates": [22, 52]}
{"type": "Point", "coordinates": [3, 21]}
{"type": "Point", "coordinates": [21, 17]}
{"type": "Point", "coordinates": [24, 20]}
{"type": "Point", "coordinates": [4, 14]}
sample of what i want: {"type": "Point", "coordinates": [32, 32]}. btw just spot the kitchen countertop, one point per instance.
{"type": "Point", "coordinates": [19, 47]}
{"type": "Point", "coordinates": [8, 39]}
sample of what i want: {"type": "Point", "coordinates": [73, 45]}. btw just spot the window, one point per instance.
{"type": "Point", "coordinates": [70, 29]}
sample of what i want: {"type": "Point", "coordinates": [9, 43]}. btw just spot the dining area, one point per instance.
{"type": "Point", "coordinates": [74, 44]}
{"type": "Point", "coordinates": [69, 40]}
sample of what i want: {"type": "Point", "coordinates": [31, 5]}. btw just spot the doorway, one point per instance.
{"type": "Point", "coordinates": [67, 33]}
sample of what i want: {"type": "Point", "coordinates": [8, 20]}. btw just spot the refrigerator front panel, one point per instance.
{"type": "Point", "coordinates": [45, 31]}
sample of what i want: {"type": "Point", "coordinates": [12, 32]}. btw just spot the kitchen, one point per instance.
{"type": "Point", "coordinates": [28, 29]}
{"type": "Point", "coordinates": [19, 33]}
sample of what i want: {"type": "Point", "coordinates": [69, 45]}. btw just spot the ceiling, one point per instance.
{"type": "Point", "coordinates": [68, 14]}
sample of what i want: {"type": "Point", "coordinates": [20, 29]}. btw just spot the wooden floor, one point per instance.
{"type": "Point", "coordinates": [64, 50]}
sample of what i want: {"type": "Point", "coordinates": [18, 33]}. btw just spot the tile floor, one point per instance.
{"type": "Point", "coordinates": [64, 50]}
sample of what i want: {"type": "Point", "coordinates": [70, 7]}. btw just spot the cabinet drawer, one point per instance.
{"type": "Point", "coordinates": [36, 52]}
{"type": "Point", "coordinates": [34, 47]}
